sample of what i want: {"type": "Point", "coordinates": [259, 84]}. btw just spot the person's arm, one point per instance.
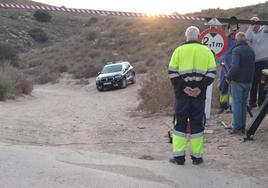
{"type": "Point", "coordinates": [265, 29]}
{"type": "Point", "coordinates": [220, 59]}
{"type": "Point", "coordinates": [211, 72]}
{"type": "Point", "coordinates": [173, 72]}
{"type": "Point", "coordinates": [249, 33]}
{"type": "Point", "coordinates": [235, 65]}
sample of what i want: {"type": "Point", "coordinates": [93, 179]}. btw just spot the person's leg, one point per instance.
{"type": "Point", "coordinates": [224, 95]}
{"type": "Point", "coordinates": [179, 131]}
{"type": "Point", "coordinates": [262, 92]}
{"type": "Point", "coordinates": [237, 95]}
{"type": "Point", "coordinates": [246, 89]}
{"type": "Point", "coordinates": [254, 86]}
{"type": "Point", "coordinates": [197, 111]}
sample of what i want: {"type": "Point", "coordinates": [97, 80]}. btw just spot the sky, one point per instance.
{"type": "Point", "coordinates": [151, 6]}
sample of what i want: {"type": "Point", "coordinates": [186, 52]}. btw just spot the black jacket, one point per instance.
{"type": "Point", "coordinates": [242, 67]}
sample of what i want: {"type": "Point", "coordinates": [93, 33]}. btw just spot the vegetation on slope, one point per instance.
{"type": "Point", "coordinates": [12, 81]}
{"type": "Point", "coordinates": [81, 44]}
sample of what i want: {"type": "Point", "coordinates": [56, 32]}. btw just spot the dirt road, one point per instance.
{"type": "Point", "coordinates": [79, 117]}
{"type": "Point", "coordinates": [53, 167]}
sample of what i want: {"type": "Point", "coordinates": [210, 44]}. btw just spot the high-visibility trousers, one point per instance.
{"type": "Point", "coordinates": [192, 109]}
{"type": "Point", "coordinates": [225, 97]}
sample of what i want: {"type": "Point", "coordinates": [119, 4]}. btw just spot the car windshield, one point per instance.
{"type": "Point", "coordinates": [111, 69]}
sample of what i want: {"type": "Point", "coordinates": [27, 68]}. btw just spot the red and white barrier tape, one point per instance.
{"type": "Point", "coordinates": [96, 12]}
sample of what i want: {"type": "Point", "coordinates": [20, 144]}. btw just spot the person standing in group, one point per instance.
{"type": "Point", "coordinates": [257, 36]}
{"type": "Point", "coordinates": [224, 88]}
{"type": "Point", "coordinates": [240, 76]}
{"type": "Point", "coordinates": [192, 69]}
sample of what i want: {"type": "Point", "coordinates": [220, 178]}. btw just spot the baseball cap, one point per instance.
{"type": "Point", "coordinates": [255, 19]}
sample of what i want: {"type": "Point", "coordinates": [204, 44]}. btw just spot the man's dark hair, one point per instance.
{"type": "Point", "coordinates": [233, 21]}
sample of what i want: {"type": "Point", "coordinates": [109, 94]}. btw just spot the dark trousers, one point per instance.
{"type": "Point", "coordinates": [192, 109]}
{"type": "Point", "coordinates": [257, 89]}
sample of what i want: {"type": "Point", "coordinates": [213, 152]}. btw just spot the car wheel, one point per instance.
{"type": "Point", "coordinates": [100, 88]}
{"type": "Point", "coordinates": [124, 83]}
{"type": "Point", "coordinates": [133, 79]}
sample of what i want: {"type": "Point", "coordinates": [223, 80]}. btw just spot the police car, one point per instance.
{"type": "Point", "coordinates": [115, 75]}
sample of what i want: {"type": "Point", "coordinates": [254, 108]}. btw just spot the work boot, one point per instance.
{"type": "Point", "coordinates": [243, 131]}
{"type": "Point", "coordinates": [176, 161]}
{"type": "Point", "coordinates": [234, 131]}
{"type": "Point", "coordinates": [229, 110]}
{"type": "Point", "coordinates": [252, 105]}
{"type": "Point", "coordinates": [197, 161]}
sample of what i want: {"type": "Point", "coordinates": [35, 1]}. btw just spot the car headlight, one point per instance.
{"type": "Point", "coordinates": [98, 78]}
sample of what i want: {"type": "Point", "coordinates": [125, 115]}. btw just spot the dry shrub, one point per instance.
{"type": "Point", "coordinates": [140, 67]}
{"type": "Point", "coordinates": [82, 82]}
{"type": "Point", "coordinates": [62, 68]}
{"type": "Point", "coordinates": [91, 35]}
{"type": "Point", "coordinates": [94, 53]}
{"type": "Point", "coordinates": [46, 77]}
{"type": "Point", "coordinates": [42, 16]}
{"type": "Point", "coordinates": [85, 71]}
{"type": "Point", "coordinates": [24, 85]}
{"type": "Point", "coordinates": [5, 85]}
{"type": "Point", "coordinates": [215, 91]}
{"type": "Point", "coordinates": [8, 53]}
{"type": "Point", "coordinates": [91, 21]}
{"type": "Point", "coordinates": [156, 93]}
{"type": "Point", "coordinates": [39, 35]}
{"type": "Point", "coordinates": [13, 82]}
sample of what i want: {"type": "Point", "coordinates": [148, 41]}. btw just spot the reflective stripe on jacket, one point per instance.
{"type": "Point", "coordinates": [192, 64]}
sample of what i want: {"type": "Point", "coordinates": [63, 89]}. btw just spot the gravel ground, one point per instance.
{"type": "Point", "coordinates": [67, 115]}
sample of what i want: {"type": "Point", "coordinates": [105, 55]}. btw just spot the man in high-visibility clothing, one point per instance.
{"type": "Point", "coordinates": [225, 97]}
{"type": "Point", "coordinates": [192, 69]}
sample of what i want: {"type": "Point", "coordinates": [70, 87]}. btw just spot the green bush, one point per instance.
{"type": "Point", "coordinates": [62, 68]}
{"type": "Point", "coordinates": [92, 35]}
{"type": "Point", "coordinates": [38, 35]}
{"type": "Point", "coordinates": [91, 21]}
{"type": "Point", "coordinates": [42, 16]}
{"type": "Point", "coordinates": [13, 82]}
{"type": "Point", "coordinates": [8, 53]}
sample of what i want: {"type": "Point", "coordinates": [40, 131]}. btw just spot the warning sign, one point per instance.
{"type": "Point", "coordinates": [215, 39]}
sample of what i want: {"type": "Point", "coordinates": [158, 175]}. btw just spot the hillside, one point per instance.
{"type": "Point", "coordinates": [108, 39]}
{"type": "Point", "coordinates": [92, 41]}
{"type": "Point", "coordinates": [241, 13]}
{"type": "Point", "coordinates": [16, 24]}
{"type": "Point", "coordinates": [80, 44]}
{"type": "Point", "coordinates": [60, 124]}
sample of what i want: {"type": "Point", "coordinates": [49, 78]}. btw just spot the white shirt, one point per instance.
{"type": "Point", "coordinates": [259, 42]}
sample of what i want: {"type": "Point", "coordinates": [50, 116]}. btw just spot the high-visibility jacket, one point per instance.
{"type": "Point", "coordinates": [192, 64]}
{"type": "Point", "coordinates": [225, 97]}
